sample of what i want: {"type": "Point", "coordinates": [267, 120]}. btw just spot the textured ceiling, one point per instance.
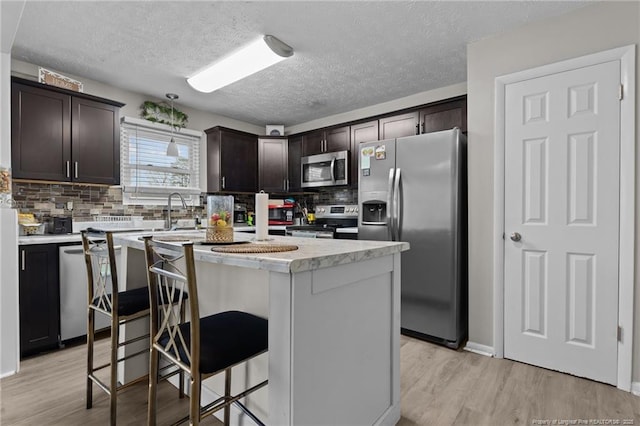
{"type": "Point", "coordinates": [348, 55]}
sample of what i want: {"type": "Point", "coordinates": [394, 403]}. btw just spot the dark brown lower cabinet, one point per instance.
{"type": "Point", "coordinates": [39, 297]}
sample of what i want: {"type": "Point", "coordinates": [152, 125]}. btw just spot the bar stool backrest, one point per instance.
{"type": "Point", "coordinates": [102, 273]}
{"type": "Point", "coordinates": [171, 275]}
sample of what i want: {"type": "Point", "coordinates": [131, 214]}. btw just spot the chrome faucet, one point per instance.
{"type": "Point", "coordinates": [169, 225]}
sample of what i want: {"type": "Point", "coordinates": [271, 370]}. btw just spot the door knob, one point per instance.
{"type": "Point", "coordinates": [515, 236]}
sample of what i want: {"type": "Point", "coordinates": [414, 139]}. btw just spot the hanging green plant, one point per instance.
{"type": "Point", "coordinates": [160, 112]}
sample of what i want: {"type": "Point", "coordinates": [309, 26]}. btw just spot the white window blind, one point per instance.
{"type": "Point", "coordinates": [147, 173]}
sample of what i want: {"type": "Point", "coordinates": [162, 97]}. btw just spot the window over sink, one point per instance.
{"type": "Point", "coordinates": [147, 174]}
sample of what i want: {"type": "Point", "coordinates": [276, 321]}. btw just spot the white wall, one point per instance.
{"type": "Point", "coordinates": [588, 30]}
{"type": "Point", "coordinates": [9, 333]}
{"type": "Point", "coordinates": [9, 320]}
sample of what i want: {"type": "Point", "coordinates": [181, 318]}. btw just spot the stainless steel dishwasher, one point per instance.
{"type": "Point", "coordinates": [73, 293]}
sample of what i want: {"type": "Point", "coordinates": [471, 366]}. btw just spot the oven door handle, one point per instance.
{"type": "Point", "coordinates": [324, 235]}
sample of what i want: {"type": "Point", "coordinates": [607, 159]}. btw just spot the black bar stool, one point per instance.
{"type": "Point", "coordinates": [121, 306]}
{"type": "Point", "coordinates": [202, 347]}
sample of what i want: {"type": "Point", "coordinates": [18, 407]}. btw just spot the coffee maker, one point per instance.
{"type": "Point", "coordinates": [239, 213]}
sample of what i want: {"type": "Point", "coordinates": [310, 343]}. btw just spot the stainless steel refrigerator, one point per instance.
{"type": "Point", "coordinates": [414, 189]}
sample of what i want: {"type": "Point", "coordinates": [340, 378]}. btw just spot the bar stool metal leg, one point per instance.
{"type": "Point", "coordinates": [194, 402]}
{"type": "Point", "coordinates": [113, 380]}
{"type": "Point", "coordinates": [153, 383]}
{"type": "Point", "coordinates": [90, 338]}
{"type": "Point", "coordinates": [227, 395]}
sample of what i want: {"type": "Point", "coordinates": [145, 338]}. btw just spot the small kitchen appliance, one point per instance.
{"type": "Point", "coordinates": [60, 225]}
{"type": "Point", "coordinates": [281, 214]}
{"type": "Point", "coordinates": [329, 169]}
{"type": "Point", "coordinates": [239, 214]}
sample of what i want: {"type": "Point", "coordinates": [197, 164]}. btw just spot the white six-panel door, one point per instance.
{"type": "Point", "coordinates": [562, 144]}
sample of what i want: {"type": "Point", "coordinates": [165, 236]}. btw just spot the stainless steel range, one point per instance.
{"type": "Point", "coordinates": [331, 222]}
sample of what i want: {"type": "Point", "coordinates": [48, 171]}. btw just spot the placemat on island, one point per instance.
{"type": "Point", "coordinates": [255, 248]}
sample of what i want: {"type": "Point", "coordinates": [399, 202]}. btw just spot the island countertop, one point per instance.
{"type": "Point", "coordinates": [311, 254]}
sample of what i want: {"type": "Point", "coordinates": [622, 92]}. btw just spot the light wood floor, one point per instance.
{"type": "Point", "coordinates": [438, 387]}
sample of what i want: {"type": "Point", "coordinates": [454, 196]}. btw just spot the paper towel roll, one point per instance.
{"type": "Point", "coordinates": [262, 216]}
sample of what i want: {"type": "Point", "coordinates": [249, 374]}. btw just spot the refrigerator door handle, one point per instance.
{"type": "Point", "coordinates": [397, 204]}
{"type": "Point", "coordinates": [390, 203]}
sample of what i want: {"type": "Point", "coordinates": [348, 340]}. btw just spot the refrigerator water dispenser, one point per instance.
{"type": "Point", "coordinates": [374, 212]}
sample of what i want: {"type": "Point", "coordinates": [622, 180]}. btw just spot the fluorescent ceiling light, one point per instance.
{"type": "Point", "coordinates": [254, 57]}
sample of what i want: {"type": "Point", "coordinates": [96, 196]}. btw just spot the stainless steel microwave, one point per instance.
{"type": "Point", "coordinates": [329, 169]}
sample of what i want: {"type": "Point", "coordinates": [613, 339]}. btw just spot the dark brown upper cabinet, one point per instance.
{"type": "Point", "coordinates": [331, 139]}
{"type": "Point", "coordinates": [444, 116]}
{"type": "Point", "coordinates": [95, 136]}
{"type": "Point", "coordinates": [294, 161]}
{"type": "Point", "coordinates": [232, 160]}
{"type": "Point", "coordinates": [363, 132]}
{"type": "Point", "coordinates": [273, 164]}
{"type": "Point", "coordinates": [64, 136]}
{"type": "Point", "coordinates": [397, 126]}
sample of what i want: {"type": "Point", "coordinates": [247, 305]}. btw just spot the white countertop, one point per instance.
{"type": "Point", "coordinates": [49, 239]}
{"type": "Point", "coordinates": [312, 253]}
{"type": "Point", "coordinates": [75, 237]}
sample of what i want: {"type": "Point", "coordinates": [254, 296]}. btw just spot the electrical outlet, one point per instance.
{"type": "Point", "coordinates": [69, 205]}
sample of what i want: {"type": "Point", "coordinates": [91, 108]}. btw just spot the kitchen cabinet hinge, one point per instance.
{"type": "Point", "coordinates": [619, 334]}
{"type": "Point", "coordinates": [621, 92]}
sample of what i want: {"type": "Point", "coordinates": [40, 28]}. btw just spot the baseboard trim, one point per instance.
{"type": "Point", "coordinates": [635, 388]}
{"type": "Point", "coordinates": [479, 349]}
{"type": "Point", "coordinates": [8, 373]}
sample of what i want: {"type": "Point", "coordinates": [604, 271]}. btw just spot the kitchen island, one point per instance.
{"type": "Point", "coordinates": [334, 325]}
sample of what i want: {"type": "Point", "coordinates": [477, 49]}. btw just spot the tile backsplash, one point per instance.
{"type": "Point", "coordinates": [50, 199]}
{"type": "Point", "coordinates": [45, 200]}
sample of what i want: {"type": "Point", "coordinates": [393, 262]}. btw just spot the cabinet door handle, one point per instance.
{"type": "Point", "coordinates": [68, 168]}
{"type": "Point", "coordinates": [284, 184]}
{"type": "Point", "coordinates": [23, 260]}
{"type": "Point", "coordinates": [75, 166]}
{"type": "Point", "coordinates": [223, 182]}
{"type": "Point", "coordinates": [288, 185]}
{"type": "Point", "coordinates": [418, 129]}
{"type": "Point", "coordinates": [423, 127]}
